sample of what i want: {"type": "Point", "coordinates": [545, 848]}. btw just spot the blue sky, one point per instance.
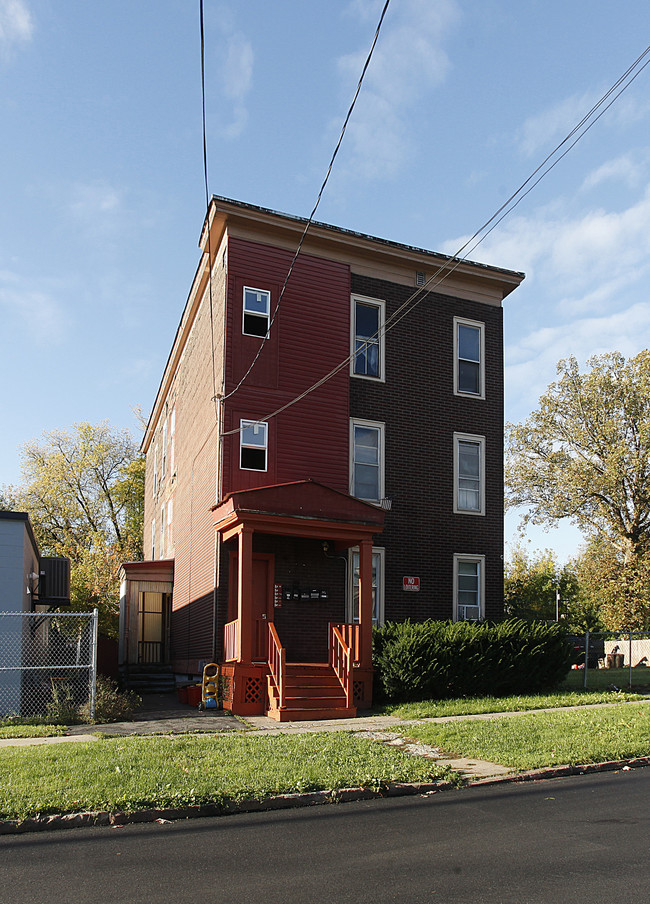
{"type": "Point", "coordinates": [101, 175]}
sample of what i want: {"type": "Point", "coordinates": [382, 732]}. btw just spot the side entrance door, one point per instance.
{"type": "Point", "coordinates": [263, 573]}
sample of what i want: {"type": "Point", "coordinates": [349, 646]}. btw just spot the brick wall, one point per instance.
{"type": "Point", "coordinates": [421, 414]}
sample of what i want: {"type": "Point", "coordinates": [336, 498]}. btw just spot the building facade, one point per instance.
{"type": "Point", "coordinates": [325, 451]}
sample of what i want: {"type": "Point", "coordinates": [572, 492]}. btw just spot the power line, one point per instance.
{"type": "Point", "coordinates": [318, 200]}
{"type": "Point", "coordinates": [445, 270]}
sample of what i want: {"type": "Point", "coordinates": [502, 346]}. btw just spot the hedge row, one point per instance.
{"type": "Point", "coordinates": [438, 660]}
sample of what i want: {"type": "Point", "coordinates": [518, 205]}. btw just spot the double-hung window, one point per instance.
{"type": "Point", "coordinates": [469, 355]}
{"type": "Point", "coordinates": [377, 586]}
{"type": "Point", "coordinates": [367, 460]}
{"type": "Point", "coordinates": [469, 588]}
{"type": "Point", "coordinates": [367, 322]}
{"type": "Point", "coordinates": [253, 445]}
{"type": "Point", "coordinates": [469, 474]}
{"type": "Point", "coordinates": [257, 312]}
{"type": "Point", "coordinates": [162, 531]}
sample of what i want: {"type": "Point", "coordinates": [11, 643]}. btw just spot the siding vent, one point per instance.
{"type": "Point", "coordinates": [420, 278]}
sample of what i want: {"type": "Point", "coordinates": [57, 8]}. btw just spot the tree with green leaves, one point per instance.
{"type": "Point", "coordinates": [584, 454]}
{"type": "Point", "coordinates": [84, 491]}
{"type": "Point", "coordinates": [531, 584]}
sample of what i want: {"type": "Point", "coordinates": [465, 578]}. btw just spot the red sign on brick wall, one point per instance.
{"type": "Point", "coordinates": [410, 583]}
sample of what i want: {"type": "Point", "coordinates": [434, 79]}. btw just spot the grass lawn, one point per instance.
{"type": "Point", "coordinates": [545, 739]}
{"type": "Point", "coordinates": [597, 679]}
{"type": "Point", "coordinates": [132, 773]}
{"type": "Point", "coordinates": [18, 730]}
{"type": "Point", "coordinates": [467, 706]}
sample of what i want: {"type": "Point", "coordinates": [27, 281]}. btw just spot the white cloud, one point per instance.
{"type": "Point", "coordinates": [622, 169]}
{"type": "Point", "coordinates": [544, 130]}
{"type": "Point", "coordinates": [235, 73]}
{"type": "Point", "coordinates": [91, 200]}
{"type": "Point", "coordinates": [577, 247]}
{"type": "Point", "coordinates": [16, 25]}
{"type": "Point", "coordinates": [39, 315]}
{"type": "Point", "coordinates": [408, 61]}
{"type": "Point", "coordinates": [531, 360]}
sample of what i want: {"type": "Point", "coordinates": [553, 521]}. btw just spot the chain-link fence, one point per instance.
{"type": "Point", "coordinates": [610, 660]}
{"type": "Point", "coordinates": [48, 663]}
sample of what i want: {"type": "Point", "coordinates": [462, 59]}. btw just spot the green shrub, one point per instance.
{"type": "Point", "coordinates": [438, 660]}
{"type": "Point", "coordinates": [63, 709]}
{"type": "Point", "coordinates": [111, 703]}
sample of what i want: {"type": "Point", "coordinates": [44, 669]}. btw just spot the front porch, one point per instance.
{"type": "Point", "coordinates": [258, 677]}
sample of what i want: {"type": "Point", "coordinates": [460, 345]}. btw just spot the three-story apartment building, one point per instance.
{"type": "Point", "coordinates": [325, 452]}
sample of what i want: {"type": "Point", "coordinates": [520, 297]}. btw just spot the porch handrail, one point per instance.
{"type": "Point", "coordinates": [350, 634]}
{"type": "Point", "coordinates": [277, 663]}
{"type": "Point", "coordinates": [230, 641]}
{"type": "Point", "coordinates": [341, 658]}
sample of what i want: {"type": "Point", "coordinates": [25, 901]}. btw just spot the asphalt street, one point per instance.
{"type": "Point", "coordinates": [547, 842]}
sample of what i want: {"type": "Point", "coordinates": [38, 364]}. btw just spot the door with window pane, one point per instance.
{"type": "Point", "coordinates": [152, 627]}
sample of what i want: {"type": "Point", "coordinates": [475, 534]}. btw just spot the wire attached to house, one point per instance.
{"type": "Point", "coordinates": [461, 255]}
{"type": "Point", "coordinates": [207, 213]}
{"type": "Point", "coordinates": [318, 200]}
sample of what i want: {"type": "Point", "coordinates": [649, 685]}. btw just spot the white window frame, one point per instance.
{"type": "Point", "coordinates": [480, 326]}
{"type": "Point", "coordinates": [153, 540]}
{"type": "Point", "coordinates": [380, 427]}
{"type": "Point", "coordinates": [378, 557]}
{"type": "Point", "coordinates": [480, 442]}
{"type": "Point", "coordinates": [155, 471]}
{"type": "Point", "coordinates": [163, 466]}
{"type": "Point", "coordinates": [244, 424]}
{"type": "Point", "coordinates": [172, 440]}
{"type": "Point", "coordinates": [381, 306]}
{"type": "Point", "coordinates": [256, 314]}
{"type": "Point", "coordinates": [170, 521]}
{"type": "Point", "coordinates": [162, 531]}
{"type": "Point", "coordinates": [480, 561]}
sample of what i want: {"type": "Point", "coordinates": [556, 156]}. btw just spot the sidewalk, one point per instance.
{"type": "Point", "coordinates": [161, 714]}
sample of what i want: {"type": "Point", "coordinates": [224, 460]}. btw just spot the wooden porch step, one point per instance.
{"type": "Point", "coordinates": [305, 715]}
{"type": "Point", "coordinates": [312, 691]}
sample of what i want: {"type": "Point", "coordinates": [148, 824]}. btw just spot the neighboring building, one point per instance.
{"type": "Point", "coordinates": [27, 580]}
{"type": "Point", "coordinates": [378, 496]}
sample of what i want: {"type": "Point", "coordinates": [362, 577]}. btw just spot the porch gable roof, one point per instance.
{"type": "Point", "coordinates": [302, 508]}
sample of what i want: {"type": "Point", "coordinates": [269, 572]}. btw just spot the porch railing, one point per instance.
{"type": "Point", "coordinates": [230, 643]}
{"type": "Point", "coordinates": [277, 664]}
{"type": "Point", "coordinates": [340, 655]}
{"type": "Point", "coordinates": [149, 651]}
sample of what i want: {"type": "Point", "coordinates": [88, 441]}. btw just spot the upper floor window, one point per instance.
{"type": "Point", "coordinates": [253, 445]}
{"type": "Point", "coordinates": [469, 474]}
{"type": "Point", "coordinates": [155, 471]}
{"type": "Point", "coordinates": [469, 588]}
{"type": "Point", "coordinates": [257, 312]}
{"type": "Point", "coordinates": [162, 531]}
{"type": "Point", "coordinates": [367, 324]}
{"type": "Point", "coordinates": [469, 356]}
{"type": "Point", "coordinates": [163, 469]}
{"type": "Point", "coordinates": [367, 460]}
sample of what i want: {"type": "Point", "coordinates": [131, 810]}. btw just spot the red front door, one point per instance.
{"type": "Point", "coordinates": [263, 569]}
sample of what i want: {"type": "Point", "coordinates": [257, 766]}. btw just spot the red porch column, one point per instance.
{"type": "Point", "coordinates": [245, 594]}
{"type": "Point", "coordinates": [365, 603]}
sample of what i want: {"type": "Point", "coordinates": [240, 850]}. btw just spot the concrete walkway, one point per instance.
{"type": "Point", "coordinates": [161, 714]}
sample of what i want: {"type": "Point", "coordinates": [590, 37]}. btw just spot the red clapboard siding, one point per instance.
{"type": "Point", "coordinates": [310, 337]}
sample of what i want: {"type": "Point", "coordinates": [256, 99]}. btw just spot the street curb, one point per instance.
{"type": "Point", "coordinates": [291, 801]}
{"type": "Point", "coordinates": [228, 808]}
